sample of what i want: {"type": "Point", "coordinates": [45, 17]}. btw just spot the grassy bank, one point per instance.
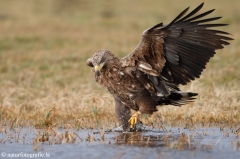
{"type": "Point", "coordinates": [44, 80]}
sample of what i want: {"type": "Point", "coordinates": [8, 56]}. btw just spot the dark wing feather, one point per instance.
{"type": "Point", "coordinates": [192, 45]}
{"type": "Point", "coordinates": [179, 51]}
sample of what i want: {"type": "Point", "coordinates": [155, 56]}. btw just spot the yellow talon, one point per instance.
{"type": "Point", "coordinates": [133, 120]}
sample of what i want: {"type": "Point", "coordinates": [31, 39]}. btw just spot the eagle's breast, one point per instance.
{"type": "Point", "coordinates": [119, 83]}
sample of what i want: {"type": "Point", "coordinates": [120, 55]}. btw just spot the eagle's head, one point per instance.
{"type": "Point", "coordinates": [99, 60]}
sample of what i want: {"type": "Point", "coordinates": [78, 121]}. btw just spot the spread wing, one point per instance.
{"type": "Point", "coordinates": [178, 52]}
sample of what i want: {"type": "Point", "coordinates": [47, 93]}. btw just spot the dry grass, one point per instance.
{"type": "Point", "coordinates": [44, 80]}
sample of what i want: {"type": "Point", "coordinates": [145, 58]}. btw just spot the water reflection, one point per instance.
{"type": "Point", "coordinates": [174, 143]}
{"type": "Point", "coordinates": [140, 139]}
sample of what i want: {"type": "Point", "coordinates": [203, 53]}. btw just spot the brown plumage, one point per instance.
{"type": "Point", "coordinates": [167, 55]}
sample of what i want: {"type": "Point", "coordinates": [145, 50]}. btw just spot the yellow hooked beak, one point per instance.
{"type": "Point", "coordinates": [98, 68]}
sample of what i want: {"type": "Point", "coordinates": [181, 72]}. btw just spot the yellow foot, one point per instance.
{"type": "Point", "coordinates": [133, 120]}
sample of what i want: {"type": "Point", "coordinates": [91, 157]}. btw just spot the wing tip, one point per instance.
{"type": "Point", "coordinates": [201, 5]}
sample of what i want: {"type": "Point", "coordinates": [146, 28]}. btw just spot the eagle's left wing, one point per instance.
{"type": "Point", "coordinates": [178, 52]}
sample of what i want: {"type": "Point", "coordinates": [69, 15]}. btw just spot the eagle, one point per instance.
{"type": "Point", "coordinates": [166, 56]}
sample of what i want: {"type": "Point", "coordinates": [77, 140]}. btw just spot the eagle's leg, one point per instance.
{"type": "Point", "coordinates": [133, 120]}
{"type": "Point", "coordinates": [123, 113]}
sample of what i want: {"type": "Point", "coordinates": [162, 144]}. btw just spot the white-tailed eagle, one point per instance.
{"type": "Point", "coordinates": [167, 55]}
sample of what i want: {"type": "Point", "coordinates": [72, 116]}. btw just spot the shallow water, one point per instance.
{"type": "Point", "coordinates": [174, 143]}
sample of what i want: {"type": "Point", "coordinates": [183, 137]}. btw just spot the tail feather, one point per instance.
{"type": "Point", "coordinates": [177, 98]}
